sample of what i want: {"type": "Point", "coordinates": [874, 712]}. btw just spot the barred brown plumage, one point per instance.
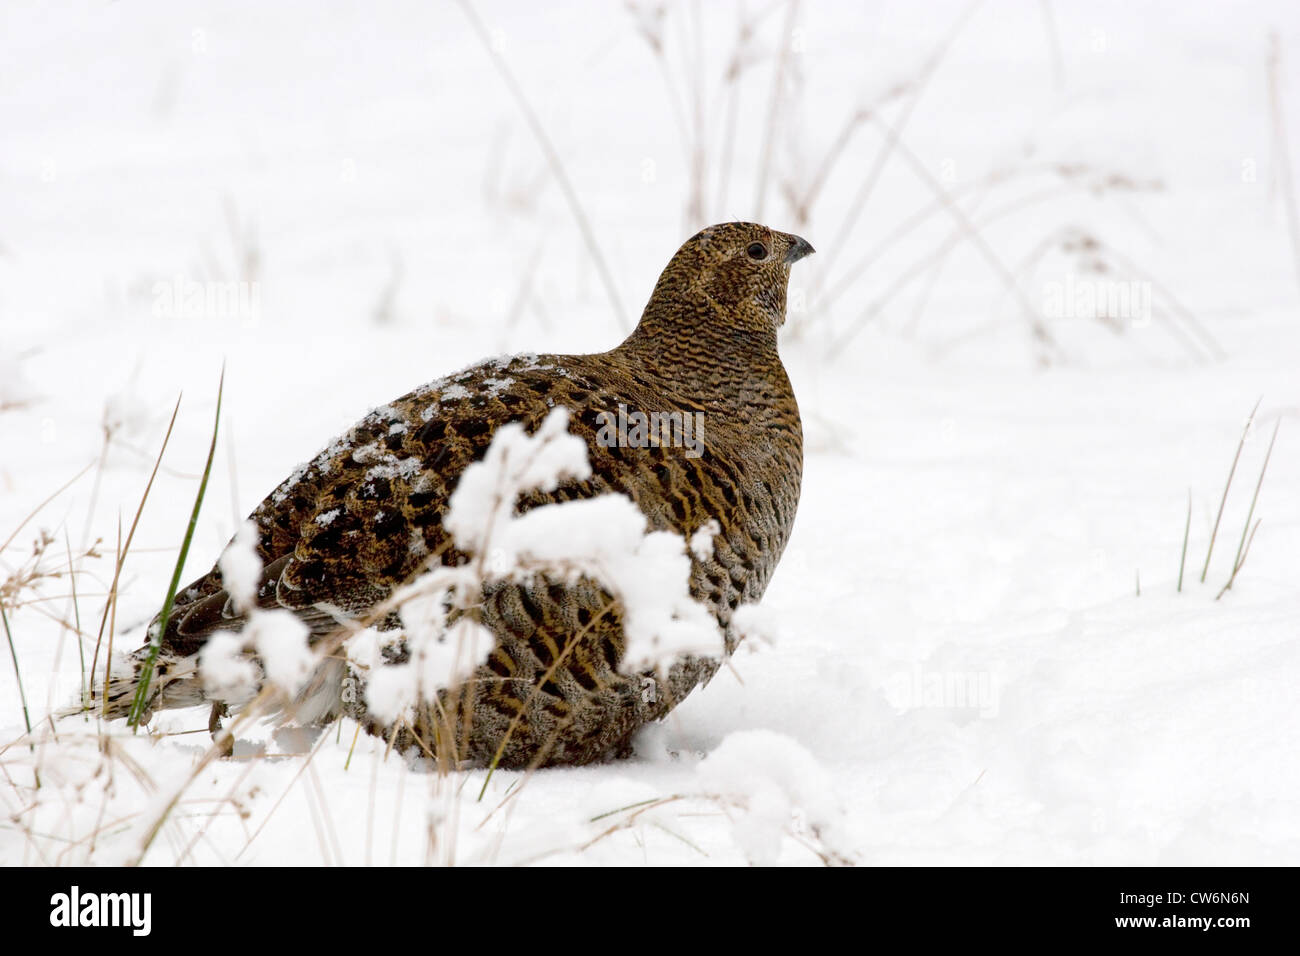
{"type": "Point", "coordinates": [350, 526]}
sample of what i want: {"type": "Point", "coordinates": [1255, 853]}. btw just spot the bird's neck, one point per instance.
{"type": "Point", "coordinates": [686, 342]}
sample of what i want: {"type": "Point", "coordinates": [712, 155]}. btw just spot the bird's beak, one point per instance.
{"type": "Point", "coordinates": [798, 249]}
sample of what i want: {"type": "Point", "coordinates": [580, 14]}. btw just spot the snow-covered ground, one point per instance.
{"type": "Point", "coordinates": [962, 666]}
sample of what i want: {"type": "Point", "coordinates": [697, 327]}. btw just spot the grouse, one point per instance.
{"type": "Point", "coordinates": [349, 527]}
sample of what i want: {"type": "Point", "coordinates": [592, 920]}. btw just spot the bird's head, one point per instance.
{"type": "Point", "coordinates": [734, 273]}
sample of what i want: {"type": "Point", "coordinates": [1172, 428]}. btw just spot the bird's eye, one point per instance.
{"type": "Point", "coordinates": [756, 250]}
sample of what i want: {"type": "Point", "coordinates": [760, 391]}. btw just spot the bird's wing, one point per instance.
{"type": "Point", "coordinates": [356, 521]}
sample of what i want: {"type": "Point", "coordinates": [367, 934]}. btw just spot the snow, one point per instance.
{"type": "Point", "coordinates": [228, 673]}
{"type": "Point", "coordinates": [280, 638]}
{"type": "Point", "coordinates": [701, 542]}
{"type": "Point", "coordinates": [773, 785]}
{"type": "Point", "coordinates": [485, 498]}
{"type": "Point", "coordinates": [455, 393]}
{"type": "Point", "coordinates": [126, 414]}
{"type": "Point", "coordinates": [15, 391]}
{"type": "Point", "coordinates": [952, 663]}
{"type": "Point", "coordinates": [392, 692]}
{"type": "Point", "coordinates": [607, 538]}
{"type": "Point", "coordinates": [241, 568]}
{"type": "Point", "coordinates": [394, 467]}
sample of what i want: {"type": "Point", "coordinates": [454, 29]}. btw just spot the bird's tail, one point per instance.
{"type": "Point", "coordinates": [174, 683]}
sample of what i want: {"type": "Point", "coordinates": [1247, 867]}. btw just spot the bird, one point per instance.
{"type": "Point", "coordinates": [346, 529]}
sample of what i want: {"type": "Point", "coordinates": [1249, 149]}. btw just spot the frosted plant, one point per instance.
{"type": "Point", "coordinates": [606, 539]}
{"type": "Point", "coordinates": [279, 637]}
